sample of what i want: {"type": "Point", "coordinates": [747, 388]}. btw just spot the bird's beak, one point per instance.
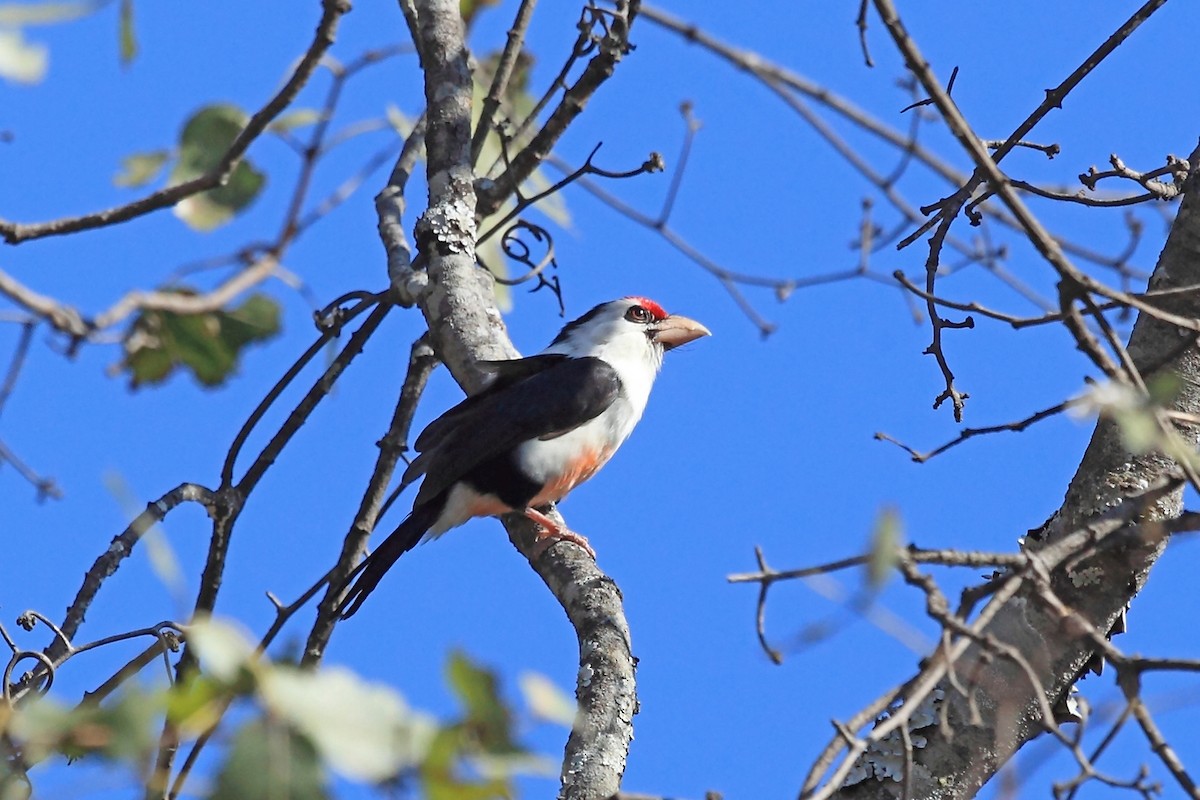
{"type": "Point", "coordinates": [676, 330]}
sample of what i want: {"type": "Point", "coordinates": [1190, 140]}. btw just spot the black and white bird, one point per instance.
{"type": "Point", "coordinates": [542, 426]}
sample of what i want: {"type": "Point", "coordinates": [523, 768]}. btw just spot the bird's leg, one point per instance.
{"type": "Point", "coordinates": [552, 532]}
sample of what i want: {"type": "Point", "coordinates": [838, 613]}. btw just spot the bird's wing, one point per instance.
{"type": "Point", "coordinates": [504, 374]}
{"type": "Point", "coordinates": [550, 401]}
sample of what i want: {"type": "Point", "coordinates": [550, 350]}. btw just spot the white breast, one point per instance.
{"type": "Point", "coordinates": [562, 463]}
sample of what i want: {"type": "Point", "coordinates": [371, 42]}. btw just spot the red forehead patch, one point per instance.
{"type": "Point", "coordinates": [654, 308]}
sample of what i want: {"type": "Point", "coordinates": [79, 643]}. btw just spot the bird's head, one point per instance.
{"type": "Point", "coordinates": [632, 329]}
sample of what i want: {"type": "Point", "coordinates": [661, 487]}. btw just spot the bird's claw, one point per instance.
{"type": "Point", "coordinates": [546, 539]}
{"type": "Point", "coordinates": [550, 532]}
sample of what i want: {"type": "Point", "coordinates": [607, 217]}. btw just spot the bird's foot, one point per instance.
{"type": "Point", "coordinates": [551, 532]}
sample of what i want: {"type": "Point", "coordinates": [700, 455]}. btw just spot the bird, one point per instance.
{"type": "Point", "coordinates": [541, 426]}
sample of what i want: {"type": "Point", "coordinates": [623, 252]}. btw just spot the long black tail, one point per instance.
{"type": "Point", "coordinates": [398, 542]}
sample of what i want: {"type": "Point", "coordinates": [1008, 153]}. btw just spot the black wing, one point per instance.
{"type": "Point", "coordinates": [548, 401]}
{"type": "Point", "coordinates": [505, 374]}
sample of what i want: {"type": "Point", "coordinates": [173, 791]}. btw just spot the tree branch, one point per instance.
{"type": "Point", "coordinates": [1002, 711]}
{"type": "Point", "coordinates": [465, 326]}
{"type": "Point", "coordinates": [332, 11]}
{"type": "Point", "coordinates": [613, 45]}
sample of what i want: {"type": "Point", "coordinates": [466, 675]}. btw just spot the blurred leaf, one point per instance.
{"type": "Point", "coordinates": [546, 701]}
{"type": "Point", "coordinates": [886, 540]}
{"type": "Point", "coordinates": [208, 344]}
{"type": "Point", "coordinates": [364, 731]}
{"type": "Point", "coordinates": [470, 8]}
{"type": "Point", "coordinates": [20, 61]}
{"type": "Point", "coordinates": [297, 118]}
{"type": "Point", "coordinates": [496, 768]}
{"type": "Point", "coordinates": [122, 730]}
{"type": "Point", "coordinates": [1164, 387]}
{"type": "Point", "coordinates": [399, 121]}
{"type": "Point", "coordinates": [553, 206]}
{"type": "Point", "coordinates": [141, 168]}
{"type": "Point", "coordinates": [196, 703]}
{"type": "Point", "coordinates": [515, 105]}
{"type": "Point", "coordinates": [487, 717]}
{"type": "Point", "coordinates": [270, 762]}
{"type": "Point", "coordinates": [212, 209]}
{"type": "Point", "coordinates": [13, 785]}
{"type": "Point", "coordinates": [127, 33]}
{"type": "Point", "coordinates": [15, 15]}
{"type": "Point", "coordinates": [159, 552]}
{"type": "Point", "coordinates": [206, 138]}
{"type": "Point", "coordinates": [1140, 429]}
{"type": "Point", "coordinates": [224, 650]}
{"type": "Point", "coordinates": [440, 776]}
{"type": "Point", "coordinates": [491, 254]}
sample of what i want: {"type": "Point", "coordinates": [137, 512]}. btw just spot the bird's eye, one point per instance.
{"type": "Point", "coordinates": [638, 314]}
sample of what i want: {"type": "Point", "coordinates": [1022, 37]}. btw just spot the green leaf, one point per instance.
{"type": "Point", "coordinates": [206, 138]}
{"type": "Point", "coordinates": [886, 540]}
{"type": "Point", "coordinates": [196, 703]}
{"type": "Point", "coordinates": [364, 731]}
{"type": "Point", "coordinates": [269, 761]}
{"type": "Point", "coordinates": [212, 209]}
{"type": "Point", "coordinates": [141, 168]}
{"type": "Point", "coordinates": [440, 777]}
{"type": "Point", "coordinates": [20, 61]}
{"type": "Point", "coordinates": [1164, 387]}
{"type": "Point", "coordinates": [126, 33]}
{"type": "Point", "coordinates": [297, 118]}
{"type": "Point", "coordinates": [252, 321]}
{"type": "Point", "coordinates": [209, 344]}
{"type": "Point", "coordinates": [488, 719]}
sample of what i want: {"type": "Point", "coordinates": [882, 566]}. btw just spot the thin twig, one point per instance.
{"type": "Point", "coordinates": [332, 11]}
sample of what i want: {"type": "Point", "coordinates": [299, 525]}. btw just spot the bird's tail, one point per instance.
{"type": "Point", "coordinates": [398, 542]}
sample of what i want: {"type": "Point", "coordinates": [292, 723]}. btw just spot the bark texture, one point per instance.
{"type": "Point", "coordinates": [465, 326]}
{"type": "Point", "coordinates": [1006, 709]}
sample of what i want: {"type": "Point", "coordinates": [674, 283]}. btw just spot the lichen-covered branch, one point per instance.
{"type": "Point", "coordinates": [465, 326]}
{"type": "Point", "coordinates": [1002, 710]}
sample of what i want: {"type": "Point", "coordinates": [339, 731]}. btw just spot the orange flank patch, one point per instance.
{"type": "Point", "coordinates": [576, 473]}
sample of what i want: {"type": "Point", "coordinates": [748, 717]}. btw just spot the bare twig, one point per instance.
{"type": "Point", "coordinates": [108, 563]}
{"type": "Point", "coordinates": [969, 433]}
{"type": "Point", "coordinates": [421, 363]}
{"type": "Point", "coordinates": [332, 11]}
{"type": "Point", "coordinates": [612, 46]}
{"type": "Point", "coordinates": [504, 68]}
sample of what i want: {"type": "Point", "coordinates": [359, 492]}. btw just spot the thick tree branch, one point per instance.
{"type": "Point", "coordinates": [1003, 709]}
{"type": "Point", "coordinates": [465, 326]}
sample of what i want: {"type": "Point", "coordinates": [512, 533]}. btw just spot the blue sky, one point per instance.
{"type": "Point", "coordinates": [746, 441]}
